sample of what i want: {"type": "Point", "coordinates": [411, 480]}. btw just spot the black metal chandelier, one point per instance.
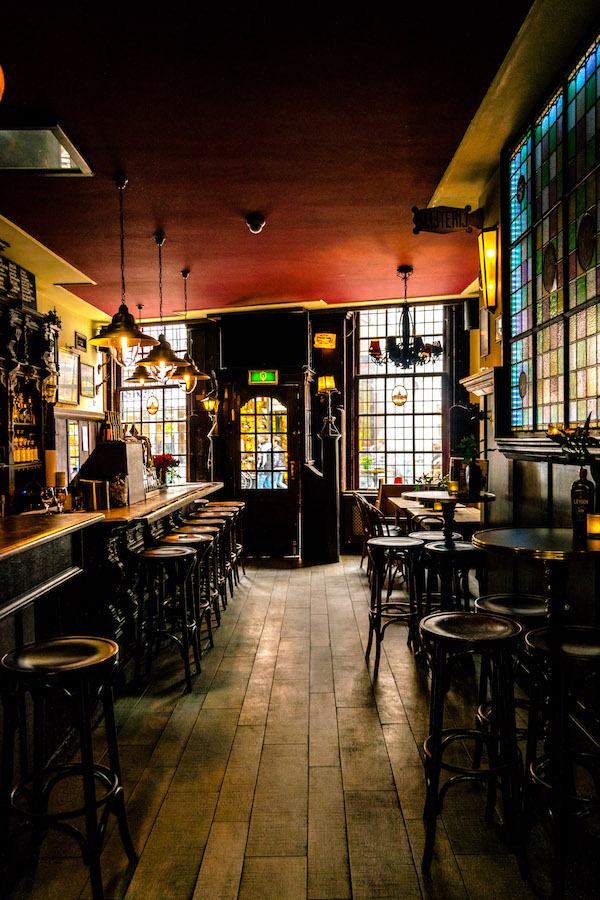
{"type": "Point", "coordinates": [410, 350]}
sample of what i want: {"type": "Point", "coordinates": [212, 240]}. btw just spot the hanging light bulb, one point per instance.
{"type": "Point", "coordinates": [162, 360]}
{"type": "Point", "coordinates": [188, 376]}
{"type": "Point", "coordinates": [122, 337]}
{"type": "Point", "coordinates": [141, 375]}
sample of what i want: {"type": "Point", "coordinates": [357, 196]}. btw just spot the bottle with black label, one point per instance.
{"type": "Point", "coordinates": [582, 503]}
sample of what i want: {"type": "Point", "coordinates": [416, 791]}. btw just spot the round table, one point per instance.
{"type": "Point", "coordinates": [555, 547]}
{"type": "Point", "coordinates": [448, 503]}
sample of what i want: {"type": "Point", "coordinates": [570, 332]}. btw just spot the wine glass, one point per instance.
{"type": "Point", "coordinates": [47, 498]}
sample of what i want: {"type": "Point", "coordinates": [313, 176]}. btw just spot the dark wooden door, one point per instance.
{"type": "Point", "coordinates": [267, 438]}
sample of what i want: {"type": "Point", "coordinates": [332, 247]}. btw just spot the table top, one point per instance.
{"type": "Point", "coordinates": [464, 497]}
{"type": "Point", "coordinates": [21, 533]}
{"type": "Point", "coordinates": [463, 515]}
{"type": "Point", "coordinates": [537, 543]}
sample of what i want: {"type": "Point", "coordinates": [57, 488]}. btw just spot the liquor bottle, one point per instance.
{"type": "Point", "coordinates": [582, 503]}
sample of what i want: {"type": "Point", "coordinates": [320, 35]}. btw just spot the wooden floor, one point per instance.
{"type": "Point", "coordinates": [286, 773]}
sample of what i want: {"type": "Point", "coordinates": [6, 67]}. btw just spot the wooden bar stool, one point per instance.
{"type": "Point", "coordinates": [565, 776]}
{"type": "Point", "coordinates": [201, 576]}
{"type": "Point", "coordinates": [220, 549]}
{"type": "Point", "coordinates": [167, 575]}
{"type": "Point", "coordinates": [240, 505]}
{"type": "Point", "coordinates": [446, 636]}
{"type": "Point", "coordinates": [385, 552]}
{"type": "Point", "coordinates": [212, 562]}
{"type": "Point", "coordinates": [227, 510]}
{"type": "Point", "coordinates": [80, 670]}
{"type": "Point", "coordinates": [451, 563]}
{"type": "Point", "coordinates": [224, 520]}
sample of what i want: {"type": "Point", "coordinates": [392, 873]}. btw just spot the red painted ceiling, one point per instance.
{"type": "Point", "coordinates": [333, 126]}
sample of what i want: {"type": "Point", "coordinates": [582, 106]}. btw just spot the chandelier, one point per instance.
{"type": "Point", "coordinates": [410, 350]}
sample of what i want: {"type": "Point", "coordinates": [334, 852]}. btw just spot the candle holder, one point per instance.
{"type": "Point", "coordinates": [593, 525]}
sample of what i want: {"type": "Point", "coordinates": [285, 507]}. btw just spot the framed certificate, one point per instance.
{"type": "Point", "coordinates": [68, 377]}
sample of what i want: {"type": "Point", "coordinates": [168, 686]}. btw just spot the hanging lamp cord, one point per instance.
{"type": "Point", "coordinates": [160, 239]}
{"type": "Point", "coordinates": [185, 273]}
{"type": "Point", "coordinates": [121, 183]}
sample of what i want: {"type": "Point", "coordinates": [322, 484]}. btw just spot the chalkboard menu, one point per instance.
{"type": "Point", "coordinates": [17, 283]}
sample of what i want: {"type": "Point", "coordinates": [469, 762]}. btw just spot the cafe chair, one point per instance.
{"type": "Point", "coordinates": [78, 672]}
{"type": "Point", "coordinates": [385, 553]}
{"type": "Point", "coordinates": [446, 636]}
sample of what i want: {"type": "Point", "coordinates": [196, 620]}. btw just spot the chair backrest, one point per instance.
{"type": "Point", "coordinates": [373, 521]}
{"type": "Point", "coordinates": [390, 490]}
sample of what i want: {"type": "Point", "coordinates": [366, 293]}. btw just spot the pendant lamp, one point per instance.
{"type": "Point", "coordinates": [162, 360]}
{"type": "Point", "coordinates": [141, 375]}
{"type": "Point", "coordinates": [122, 337]}
{"type": "Point", "coordinates": [188, 376]}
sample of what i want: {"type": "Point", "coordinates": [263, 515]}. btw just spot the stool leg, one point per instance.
{"type": "Point", "coordinates": [113, 755]}
{"type": "Point", "coordinates": [9, 724]}
{"type": "Point", "coordinates": [434, 757]}
{"type": "Point", "coordinates": [92, 842]}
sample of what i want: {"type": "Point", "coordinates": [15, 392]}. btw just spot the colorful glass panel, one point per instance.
{"type": "Point", "coordinates": [549, 287]}
{"type": "Point", "coordinates": [521, 265]}
{"type": "Point", "coordinates": [520, 189]}
{"type": "Point", "coordinates": [583, 151]}
{"type": "Point", "coordinates": [522, 384]}
{"type": "Point", "coordinates": [548, 156]}
{"type": "Point", "coordinates": [584, 365]}
{"type": "Point", "coordinates": [550, 374]}
{"type": "Point", "coordinates": [264, 444]}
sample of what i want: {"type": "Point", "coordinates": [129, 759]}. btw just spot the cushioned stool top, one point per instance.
{"type": "Point", "coordinates": [61, 655]}
{"type": "Point", "coordinates": [475, 629]}
{"type": "Point", "coordinates": [197, 529]}
{"type": "Point", "coordinates": [575, 641]}
{"type": "Point", "coordinates": [181, 538]}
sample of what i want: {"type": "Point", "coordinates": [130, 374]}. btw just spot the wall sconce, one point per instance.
{"type": "Point", "coordinates": [326, 386]}
{"type": "Point", "coordinates": [210, 404]}
{"type": "Point", "coordinates": [488, 265]}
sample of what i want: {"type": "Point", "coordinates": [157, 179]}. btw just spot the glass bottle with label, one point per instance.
{"type": "Point", "coordinates": [582, 503]}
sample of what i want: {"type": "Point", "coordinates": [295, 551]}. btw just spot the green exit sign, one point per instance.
{"type": "Point", "coordinates": [263, 376]}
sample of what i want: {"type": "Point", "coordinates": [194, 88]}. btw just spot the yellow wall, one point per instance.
{"type": "Point", "coordinates": [75, 315]}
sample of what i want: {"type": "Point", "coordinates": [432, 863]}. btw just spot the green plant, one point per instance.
{"type": "Point", "coordinates": [575, 444]}
{"type": "Point", "coordinates": [366, 463]}
{"type": "Point", "coordinates": [432, 480]}
{"type": "Point", "coordinates": [468, 448]}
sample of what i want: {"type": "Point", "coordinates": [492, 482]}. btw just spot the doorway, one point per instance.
{"type": "Point", "coordinates": [267, 456]}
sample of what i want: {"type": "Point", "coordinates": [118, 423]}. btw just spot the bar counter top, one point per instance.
{"type": "Point", "coordinates": [21, 533]}
{"type": "Point", "coordinates": [161, 502]}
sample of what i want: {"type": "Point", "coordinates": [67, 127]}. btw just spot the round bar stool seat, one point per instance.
{"type": "Point", "coordinates": [203, 544]}
{"type": "Point", "coordinates": [225, 519]}
{"type": "Point", "coordinates": [451, 563]}
{"type": "Point", "coordinates": [430, 537]}
{"type": "Point", "coordinates": [81, 669]}
{"type": "Point", "coordinates": [384, 552]}
{"type": "Point", "coordinates": [173, 565]}
{"type": "Point", "coordinates": [445, 636]}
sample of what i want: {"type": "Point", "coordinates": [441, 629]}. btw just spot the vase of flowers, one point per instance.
{"type": "Point", "coordinates": [164, 463]}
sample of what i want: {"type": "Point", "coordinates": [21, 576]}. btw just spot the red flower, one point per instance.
{"type": "Point", "coordinates": [165, 461]}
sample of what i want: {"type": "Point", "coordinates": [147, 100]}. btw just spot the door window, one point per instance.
{"type": "Point", "coordinates": [264, 444]}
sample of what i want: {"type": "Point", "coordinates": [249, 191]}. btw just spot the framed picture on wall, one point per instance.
{"type": "Point", "coordinates": [80, 341]}
{"type": "Point", "coordinates": [68, 377]}
{"type": "Point", "coordinates": [86, 380]}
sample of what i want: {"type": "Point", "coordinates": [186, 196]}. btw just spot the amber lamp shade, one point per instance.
{"type": "Point", "coordinates": [593, 525]}
{"type": "Point", "coordinates": [326, 383]}
{"type": "Point", "coordinates": [375, 349]}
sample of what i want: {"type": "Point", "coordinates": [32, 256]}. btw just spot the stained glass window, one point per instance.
{"type": "Point", "coordinates": [264, 444]}
{"type": "Point", "coordinates": [553, 253]}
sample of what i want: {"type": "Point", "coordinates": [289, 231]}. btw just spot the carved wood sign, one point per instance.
{"type": "Point", "coordinates": [445, 219]}
{"type": "Point", "coordinates": [17, 283]}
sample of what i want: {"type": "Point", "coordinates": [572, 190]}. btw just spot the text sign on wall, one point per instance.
{"type": "Point", "coordinates": [445, 219]}
{"type": "Point", "coordinates": [325, 340]}
{"type": "Point", "coordinates": [17, 283]}
{"type": "Point", "coordinates": [263, 376]}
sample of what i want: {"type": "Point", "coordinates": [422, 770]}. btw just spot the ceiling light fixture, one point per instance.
{"type": "Point", "coordinates": [141, 375]}
{"type": "Point", "coordinates": [255, 222]}
{"type": "Point", "coordinates": [162, 360]}
{"type": "Point", "coordinates": [411, 351]}
{"type": "Point", "coordinates": [188, 375]}
{"type": "Point", "coordinates": [122, 337]}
